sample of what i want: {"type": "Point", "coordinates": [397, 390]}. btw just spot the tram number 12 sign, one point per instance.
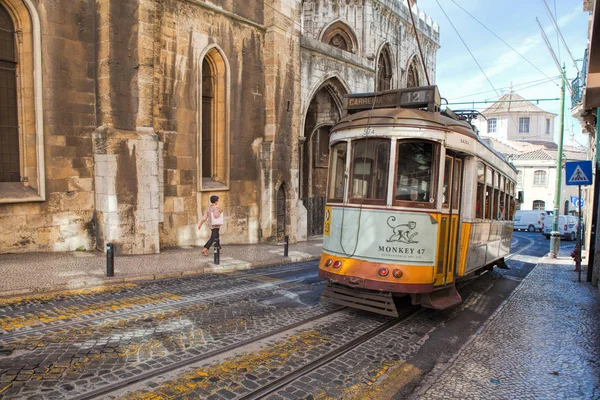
{"type": "Point", "coordinates": [578, 173]}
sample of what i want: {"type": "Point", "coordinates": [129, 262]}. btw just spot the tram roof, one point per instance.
{"type": "Point", "coordinates": [403, 117]}
{"type": "Point", "coordinates": [413, 118]}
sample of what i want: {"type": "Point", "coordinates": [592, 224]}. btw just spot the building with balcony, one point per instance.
{"type": "Point", "coordinates": [586, 107]}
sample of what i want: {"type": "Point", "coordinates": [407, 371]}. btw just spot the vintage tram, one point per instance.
{"type": "Point", "coordinates": [416, 201]}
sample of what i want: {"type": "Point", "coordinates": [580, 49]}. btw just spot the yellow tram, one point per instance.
{"type": "Point", "coordinates": [416, 200]}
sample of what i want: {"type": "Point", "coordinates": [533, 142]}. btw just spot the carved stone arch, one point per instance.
{"type": "Point", "coordinates": [385, 69]}
{"type": "Point", "coordinates": [323, 110]}
{"type": "Point", "coordinates": [414, 72]}
{"type": "Point", "coordinates": [335, 86]}
{"type": "Point", "coordinates": [339, 34]}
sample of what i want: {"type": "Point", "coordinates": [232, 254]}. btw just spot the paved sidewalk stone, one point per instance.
{"type": "Point", "coordinates": [542, 344]}
{"type": "Point", "coordinates": [38, 272]}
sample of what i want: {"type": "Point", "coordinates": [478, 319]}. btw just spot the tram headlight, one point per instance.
{"type": "Point", "coordinates": [337, 264]}
{"type": "Point", "coordinates": [397, 273]}
{"type": "Point", "coordinates": [384, 271]}
{"type": "Point", "coordinates": [328, 263]}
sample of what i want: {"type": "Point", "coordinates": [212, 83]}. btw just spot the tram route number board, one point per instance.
{"type": "Point", "coordinates": [427, 96]}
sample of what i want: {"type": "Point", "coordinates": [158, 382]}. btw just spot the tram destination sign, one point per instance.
{"type": "Point", "coordinates": [417, 97]}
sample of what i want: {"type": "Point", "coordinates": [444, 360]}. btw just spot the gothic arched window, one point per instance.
{"type": "Point", "coordinates": [340, 35]}
{"type": "Point", "coordinates": [412, 80]}
{"type": "Point", "coordinates": [22, 167]}
{"type": "Point", "coordinates": [10, 169]}
{"type": "Point", "coordinates": [384, 70]}
{"type": "Point", "coordinates": [214, 143]}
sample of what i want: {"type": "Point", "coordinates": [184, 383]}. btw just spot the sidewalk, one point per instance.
{"type": "Point", "coordinates": [543, 343]}
{"type": "Point", "coordinates": [36, 272]}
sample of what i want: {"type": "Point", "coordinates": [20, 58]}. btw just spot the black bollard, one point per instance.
{"type": "Point", "coordinates": [217, 252]}
{"type": "Point", "coordinates": [110, 260]}
{"type": "Point", "coordinates": [286, 245]}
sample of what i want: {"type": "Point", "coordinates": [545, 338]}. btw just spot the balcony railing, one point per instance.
{"type": "Point", "coordinates": [578, 84]}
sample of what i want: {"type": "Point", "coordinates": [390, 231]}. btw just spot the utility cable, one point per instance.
{"type": "Point", "coordinates": [503, 41]}
{"type": "Point", "coordinates": [540, 81]}
{"type": "Point", "coordinates": [467, 47]}
{"type": "Point", "coordinates": [476, 62]}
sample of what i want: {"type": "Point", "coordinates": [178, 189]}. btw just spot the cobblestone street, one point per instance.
{"type": "Point", "coordinates": [227, 336]}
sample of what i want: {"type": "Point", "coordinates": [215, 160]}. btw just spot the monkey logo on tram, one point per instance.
{"type": "Point", "coordinates": [403, 233]}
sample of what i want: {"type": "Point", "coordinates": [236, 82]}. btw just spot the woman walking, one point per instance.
{"type": "Point", "coordinates": [215, 216]}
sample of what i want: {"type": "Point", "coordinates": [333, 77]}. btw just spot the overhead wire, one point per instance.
{"type": "Point", "coordinates": [467, 47]}
{"type": "Point", "coordinates": [502, 40]}
{"type": "Point", "coordinates": [544, 80]}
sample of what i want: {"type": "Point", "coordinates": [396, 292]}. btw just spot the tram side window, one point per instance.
{"type": "Point", "coordinates": [370, 165]}
{"type": "Point", "coordinates": [512, 203]}
{"type": "Point", "coordinates": [480, 190]}
{"type": "Point", "coordinates": [445, 188]}
{"type": "Point", "coordinates": [414, 179]}
{"type": "Point", "coordinates": [502, 209]}
{"type": "Point", "coordinates": [337, 171]}
{"type": "Point", "coordinates": [489, 192]}
{"type": "Point", "coordinates": [496, 191]}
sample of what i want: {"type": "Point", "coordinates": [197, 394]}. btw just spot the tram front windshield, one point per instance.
{"type": "Point", "coordinates": [370, 167]}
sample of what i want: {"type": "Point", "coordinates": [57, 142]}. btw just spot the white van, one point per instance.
{"type": "Point", "coordinates": [530, 220]}
{"type": "Point", "coordinates": [567, 227]}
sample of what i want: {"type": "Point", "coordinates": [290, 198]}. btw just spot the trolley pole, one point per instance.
{"type": "Point", "coordinates": [555, 235]}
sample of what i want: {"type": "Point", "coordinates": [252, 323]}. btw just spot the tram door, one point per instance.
{"type": "Point", "coordinates": [449, 224]}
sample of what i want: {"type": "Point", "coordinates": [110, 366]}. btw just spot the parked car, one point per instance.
{"type": "Point", "coordinates": [567, 227]}
{"type": "Point", "coordinates": [530, 220]}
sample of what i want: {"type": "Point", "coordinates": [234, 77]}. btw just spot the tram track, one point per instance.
{"type": "Point", "coordinates": [329, 357]}
{"type": "Point", "coordinates": [170, 305]}
{"type": "Point", "coordinates": [202, 357]}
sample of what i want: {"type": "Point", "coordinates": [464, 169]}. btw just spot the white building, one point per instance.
{"type": "Point", "coordinates": [524, 133]}
{"type": "Point", "coordinates": [514, 118]}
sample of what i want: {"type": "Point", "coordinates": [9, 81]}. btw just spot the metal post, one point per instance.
{"type": "Point", "coordinates": [578, 263]}
{"type": "Point", "coordinates": [217, 249]}
{"type": "Point", "coordinates": [110, 260]}
{"type": "Point", "coordinates": [286, 245]}
{"type": "Point", "coordinates": [594, 222]}
{"type": "Point", "coordinates": [555, 235]}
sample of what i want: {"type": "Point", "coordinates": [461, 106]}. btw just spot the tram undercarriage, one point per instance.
{"type": "Point", "coordinates": [386, 303]}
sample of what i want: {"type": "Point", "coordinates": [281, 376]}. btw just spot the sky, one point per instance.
{"type": "Point", "coordinates": [514, 21]}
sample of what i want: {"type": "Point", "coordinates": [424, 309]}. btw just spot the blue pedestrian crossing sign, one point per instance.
{"type": "Point", "coordinates": [578, 173]}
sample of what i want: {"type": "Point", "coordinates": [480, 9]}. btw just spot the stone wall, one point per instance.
{"type": "Point", "coordinates": [65, 221]}
{"type": "Point", "coordinates": [184, 32]}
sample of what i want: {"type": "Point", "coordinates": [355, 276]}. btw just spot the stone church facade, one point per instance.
{"type": "Point", "coordinates": [120, 118]}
